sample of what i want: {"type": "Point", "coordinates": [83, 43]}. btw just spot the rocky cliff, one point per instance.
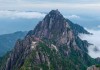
{"type": "Point", "coordinates": [94, 67]}
{"type": "Point", "coordinates": [53, 45]}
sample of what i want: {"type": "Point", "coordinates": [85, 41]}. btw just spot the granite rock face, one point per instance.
{"type": "Point", "coordinates": [93, 68]}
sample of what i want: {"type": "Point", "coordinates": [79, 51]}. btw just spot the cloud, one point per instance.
{"type": "Point", "coordinates": [20, 14]}
{"type": "Point", "coordinates": [49, 4]}
{"type": "Point", "coordinates": [68, 1]}
{"type": "Point", "coordinates": [28, 15]}
{"type": "Point", "coordinates": [93, 50]}
{"type": "Point", "coordinates": [73, 17]}
{"type": "Point", "coordinates": [98, 26]}
{"type": "Point", "coordinates": [63, 6]}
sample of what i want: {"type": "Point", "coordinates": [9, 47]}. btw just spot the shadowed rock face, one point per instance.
{"type": "Point", "coordinates": [52, 45]}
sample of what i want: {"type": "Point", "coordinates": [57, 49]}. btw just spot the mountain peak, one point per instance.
{"type": "Point", "coordinates": [53, 22]}
{"type": "Point", "coordinates": [54, 14]}
{"type": "Point", "coordinates": [52, 45]}
{"type": "Point", "coordinates": [54, 25]}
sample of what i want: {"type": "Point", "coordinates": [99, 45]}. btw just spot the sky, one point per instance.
{"type": "Point", "coordinates": [49, 4]}
{"type": "Point", "coordinates": [67, 7]}
{"type": "Point", "coordinates": [23, 15]}
{"type": "Point", "coordinates": [87, 11]}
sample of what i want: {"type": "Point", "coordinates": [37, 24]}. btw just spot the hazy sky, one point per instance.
{"type": "Point", "coordinates": [90, 8]}
{"type": "Point", "coordinates": [49, 4]}
{"type": "Point", "coordinates": [71, 7]}
{"type": "Point", "coordinates": [83, 12]}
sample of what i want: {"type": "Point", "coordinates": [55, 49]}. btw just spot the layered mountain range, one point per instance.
{"type": "Point", "coordinates": [53, 45]}
{"type": "Point", "coordinates": [7, 41]}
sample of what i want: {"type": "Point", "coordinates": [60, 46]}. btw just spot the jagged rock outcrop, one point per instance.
{"type": "Point", "coordinates": [93, 68]}
{"type": "Point", "coordinates": [52, 45]}
{"type": "Point", "coordinates": [77, 28]}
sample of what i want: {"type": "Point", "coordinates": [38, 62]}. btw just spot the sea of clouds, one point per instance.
{"type": "Point", "coordinates": [20, 14]}
{"type": "Point", "coordinates": [93, 50]}
{"type": "Point", "coordinates": [28, 14]}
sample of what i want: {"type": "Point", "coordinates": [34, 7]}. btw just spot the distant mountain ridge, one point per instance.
{"type": "Point", "coordinates": [7, 41]}
{"type": "Point", "coordinates": [53, 45]}
{"type": "Point", "coordinates": [77, 28]}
